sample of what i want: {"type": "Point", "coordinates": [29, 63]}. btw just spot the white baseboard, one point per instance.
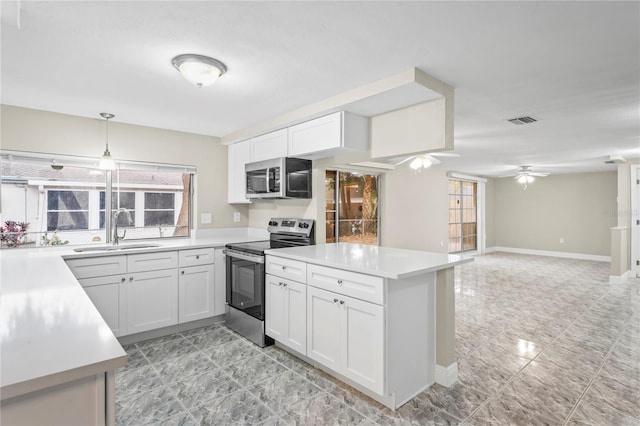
{"type": "Point", "coordinates": [619, 279]}
{"type": "Point", "coordinates": [581, 256]}
{"type": "Point", "coordinates": [447, 376]}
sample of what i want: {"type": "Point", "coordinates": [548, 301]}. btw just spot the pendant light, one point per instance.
{"type": "Point", "coordinates": [198, 69]}
{"type": "Point", "coordinates": [106, 162]}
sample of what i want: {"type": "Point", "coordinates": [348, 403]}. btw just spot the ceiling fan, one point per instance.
{"type": "Point", "coordinates": [422, 161]}
{"type": "Point", "coordinates": [526, 176]}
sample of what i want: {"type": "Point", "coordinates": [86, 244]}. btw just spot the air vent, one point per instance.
{"type": "Point", "coordinates": [522, 120]}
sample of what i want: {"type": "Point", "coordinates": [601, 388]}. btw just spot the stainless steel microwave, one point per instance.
{"type": "Point", "coordinates": [279, 178]}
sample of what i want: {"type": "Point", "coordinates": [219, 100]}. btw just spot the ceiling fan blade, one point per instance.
{"type": "Point", "coordinates": [444, 154]}
{"type": "Point", "coordinates": [538, 174]}
{"type": "Point", "coordinates": [433, 160]}
{"type": "Point", "coordinates": [405, 160]}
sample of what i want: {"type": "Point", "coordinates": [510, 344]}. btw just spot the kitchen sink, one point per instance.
{"type": "Point", "coordinates": [115, 248]}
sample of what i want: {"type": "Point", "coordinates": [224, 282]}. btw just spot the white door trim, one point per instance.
{"type": "Point", "coordinates": [634, 218]}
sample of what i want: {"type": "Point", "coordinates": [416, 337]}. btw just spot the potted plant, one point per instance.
{"type": "Point", "coordinates": [13, 233]}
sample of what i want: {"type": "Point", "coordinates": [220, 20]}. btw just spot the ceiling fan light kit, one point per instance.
{"type": "Point", "coordinates": [525, 176]}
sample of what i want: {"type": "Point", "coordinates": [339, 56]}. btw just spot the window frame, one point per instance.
{"type": "Point", "coordinates": [108, 185]}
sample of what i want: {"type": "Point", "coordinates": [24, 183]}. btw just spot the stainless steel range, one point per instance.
{"type": "Point", "coordinates": [245, 275]}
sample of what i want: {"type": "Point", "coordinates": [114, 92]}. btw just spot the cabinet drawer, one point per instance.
{"type": "Point", "coordinates": [287, 268]}
{"type": "Point", "coordinates": [360, 286]}
{"type": "Point", "coordinates": [196, 257]}
{"type": "Point", "coordinates": [98, 266]}
{"type": "Point", "coordinates": [152, 261]}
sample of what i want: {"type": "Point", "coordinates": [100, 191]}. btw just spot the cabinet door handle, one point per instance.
{"type": "Point", "coordinates": [284, 284]}
{"type": "Point", "coordinates": [284, 267]}
{"type": "Point", "coordinates": [182, 272]}
{"type": "Point", "coordinates": [339, 282]}
{"type": "Point", "coordinates": [335, 300]}
{"type": "Point", "coordinates": [280, 283]}
{"type": "Point", "coordinates": [123, 279]}
{"type": "Point", "coordinates": [342, 302]}
{"type": "Point", "coordinates": [197, 256]}
{"type": "Point", "coordinates": [130, 278]}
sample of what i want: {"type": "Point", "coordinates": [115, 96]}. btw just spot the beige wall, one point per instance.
{"type": "Point", "coordinates": [414, 210]}
{"type": "Point", "coordinates": [489, 213]}
{"type": "Point", "coordinates": [577, 207]}
{"type": "Point", "coordinates": [40, 131]}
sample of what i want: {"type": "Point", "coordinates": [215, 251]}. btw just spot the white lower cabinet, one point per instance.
{"type": "Point", "coordinates": [152, 300]}
{"type": "Point", "coordinates": [347, 335]}
{"type": "Point", "coordinates": [146, 291]}
{"type": "Point", "coordinates": [286, 312]}
{"type": "Point", "coordinates": [195, 293]}
{"type": "Point", "coordinates": [108, 296]}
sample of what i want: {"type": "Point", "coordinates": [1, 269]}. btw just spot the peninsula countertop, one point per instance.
{"type": "Point", "coordinates": [50, 332]}
{"type": "Point", "coordinates": [386, 262]}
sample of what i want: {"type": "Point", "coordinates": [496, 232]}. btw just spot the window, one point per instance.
{"type": "Point", "coordinates": [67, 196]}
{"type": "Point", "coordinates": [119, 200]}
{"type": "Point", "coordinates": [463, 225]}
{"type": "Point", "coordinates": [352, 207]}
{"type": "Point", "coordinates": [67, 210]}
{"type": "Point", "coordinates": [159, 209]}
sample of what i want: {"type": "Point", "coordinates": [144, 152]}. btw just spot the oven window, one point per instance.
{"type": "Point", "coordinates": [247, 286]}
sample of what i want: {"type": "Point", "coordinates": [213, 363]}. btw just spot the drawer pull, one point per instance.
{"type": "Point", "coordinates": [339, 282]}
{"type": "Point", "coordinates": [284, 267]}
{"type": "Point", "coordinates": [342, 302]}
{"type": "Point", "coordinates": [123, 279]}
{"type": "Point", "coordinates": [197, 256]}
{"type": "Point", "coordinates": [182, 272]}
{"type": "Point", "coordinates": [130, 278]}
{"type": "Point", "coordinates": [284, 284]}
{"type": "Point", "coordinates": [335, 300]}
{"type": "Point", "coordinates": [280, 283]}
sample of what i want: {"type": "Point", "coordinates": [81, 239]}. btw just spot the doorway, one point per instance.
{"type": "Point", "coordinates": [352, 200]}
{"type": "Point", "coordinates": [463, 216]}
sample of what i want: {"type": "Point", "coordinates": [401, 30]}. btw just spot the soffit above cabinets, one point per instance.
{"type": "Point", "coordinates": [398, 91]}
{"type": "Point", "coordinates": [393, 99]}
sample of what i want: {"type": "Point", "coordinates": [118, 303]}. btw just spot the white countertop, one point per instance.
{"type": "Point", "coordinates": [50, 332]}
{"type": "Point", "coordinates": [386, 262]}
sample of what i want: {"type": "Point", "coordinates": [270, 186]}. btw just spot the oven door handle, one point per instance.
{"type": "Point", "coordinates": [242, 256]}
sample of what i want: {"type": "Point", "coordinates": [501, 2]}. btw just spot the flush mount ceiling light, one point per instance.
{"type": "Point", "coordinates": [198, 69]}
{"type": "Point", "coordinates": [106, 162]}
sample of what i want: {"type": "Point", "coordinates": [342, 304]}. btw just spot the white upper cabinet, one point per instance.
{"type": "Point", "coordinates": [323, 136]}
{"type": "Point", "coordinates": [271, 145]}
{"type": "Point", "coordinates": [239, 154]}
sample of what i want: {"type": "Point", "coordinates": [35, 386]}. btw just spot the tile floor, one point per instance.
{"type": "Point", "coordinates": [540, 341]}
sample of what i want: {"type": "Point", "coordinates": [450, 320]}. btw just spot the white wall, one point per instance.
{"type": "Point", "coordinates": [41, 131]}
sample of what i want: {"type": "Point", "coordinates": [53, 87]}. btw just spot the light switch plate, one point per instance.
{"type": "Point", "coordinates": [205, 218]}
{"type": "Point", "coordinates": [236, 217]}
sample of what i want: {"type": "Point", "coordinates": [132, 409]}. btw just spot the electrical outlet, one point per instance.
{"type": "Point", "coordinates": [205, 218]}
{"type": "Point", "coordinates": [236, 217]}
{"type": "Point", "coordinates": [561, 240]}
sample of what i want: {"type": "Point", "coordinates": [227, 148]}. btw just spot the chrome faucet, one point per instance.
{"type": "Point", "coordinates": [116, 236]}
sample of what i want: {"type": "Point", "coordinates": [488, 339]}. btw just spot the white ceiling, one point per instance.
{"type": "Point", "coordinates": [573, 65]}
